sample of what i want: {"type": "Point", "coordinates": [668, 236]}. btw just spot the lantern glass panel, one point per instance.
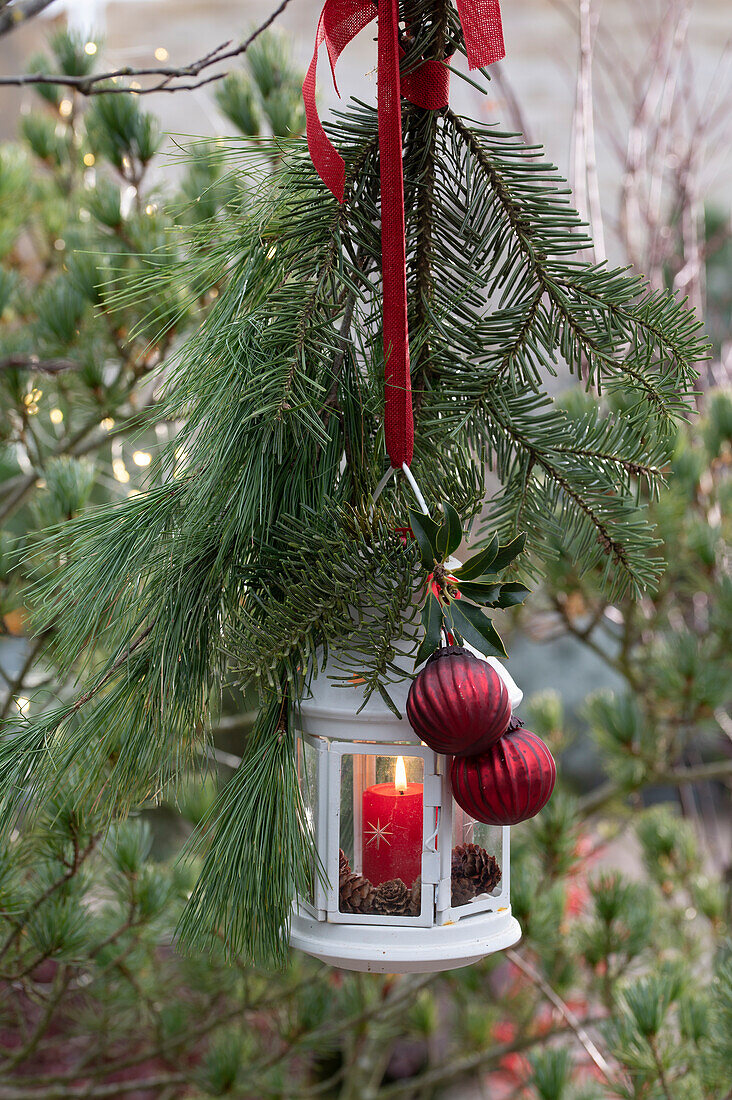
{"type": "Point", "coordinates": [381, 817]}
{"type": "Point", "coordinates": [308, 775]}
{"type": "Point", "coordinates": [466, 830]}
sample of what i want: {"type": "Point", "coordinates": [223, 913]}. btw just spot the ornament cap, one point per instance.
{"type": "Point", "coordinates": [449, 651]}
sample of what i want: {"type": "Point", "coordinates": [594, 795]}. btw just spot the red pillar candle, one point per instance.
{"type": "Point", "coordinates": [392, 830]}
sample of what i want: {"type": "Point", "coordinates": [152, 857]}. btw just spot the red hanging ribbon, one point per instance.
{"type": "Point", "coordinates": [426, 86]}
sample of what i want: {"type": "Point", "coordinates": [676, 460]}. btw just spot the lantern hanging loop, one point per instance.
{"type": "Point", "coordinates": [410, 478]}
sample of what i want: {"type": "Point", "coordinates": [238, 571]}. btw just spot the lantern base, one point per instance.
{"type": "Point", "coordinates": [398, 949]}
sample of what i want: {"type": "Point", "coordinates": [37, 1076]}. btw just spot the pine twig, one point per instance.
{"type": "Point", "coordinates": [665, 1089]}
{"type": "Point", "coordinates": [121, 660]}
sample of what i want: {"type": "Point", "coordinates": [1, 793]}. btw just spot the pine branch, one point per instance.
{"type": "Point", "coordinates": [339, 569]}
{"type": "Point", "coordinates": [258, 849]}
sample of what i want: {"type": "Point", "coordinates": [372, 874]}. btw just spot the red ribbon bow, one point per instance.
{"type": "Point", "coordinates": [426, 86]}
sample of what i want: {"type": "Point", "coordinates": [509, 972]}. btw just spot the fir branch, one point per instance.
{"type": "Point", "coordinates": [608, 543]}
{"type": "Point", "coordinates": [570, 287]}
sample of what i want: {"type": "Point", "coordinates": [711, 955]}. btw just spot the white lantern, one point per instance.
{"type": "Point", "coordinates": [381, 811]}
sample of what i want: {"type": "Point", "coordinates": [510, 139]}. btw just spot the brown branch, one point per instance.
{"type": "Point", "coordinates": [86, 1092]}
{"type": "Point", "coordinates": [700, 773]}
{"type": "Point", "coordinates": [16, 686]}
{"type": "Point", "coordinates": [39, 366]}
{"type": "Point", "coordinates": [564, 1010]}
{"type": "Point", "coordinates": [459, 1068]}
{"type": "Point", "coordinates": [20, 12]}
{"type": "Point", "coordinates": [170, 77]}
{"type": "Point", "coordinates": [61, 984]}
{"type": "Point", "coordinates": [121, 660]}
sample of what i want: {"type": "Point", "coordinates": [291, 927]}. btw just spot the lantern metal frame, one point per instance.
{"type": "Point", "coordinates": [442, 936]}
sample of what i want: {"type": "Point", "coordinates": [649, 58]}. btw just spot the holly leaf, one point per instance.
{"type": "Point", "coordinates": [511, 594]}
{"type": "Point", "coordinates": [477, 629]}
{"type": "Point", "coordinates": [451, 532]}
{"type": "Point", "coordinates": [482, 592]}
{"type": "Point", "coordinates": [425, 532]}
{"type": "Point", "coordinates": [507, 553]}
{"type": "Point", "coordinates": [432, 625]}
{"type": "Point", "coordinates": [480, 563]}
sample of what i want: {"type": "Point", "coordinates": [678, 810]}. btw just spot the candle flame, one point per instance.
{"type": "Point", "coordinates": [400, 778]}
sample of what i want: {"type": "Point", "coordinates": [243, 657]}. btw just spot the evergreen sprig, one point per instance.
{"type": "Point", "coordinates": [254, 553]}
{"type": "Point", "coordinates": [257, 848]}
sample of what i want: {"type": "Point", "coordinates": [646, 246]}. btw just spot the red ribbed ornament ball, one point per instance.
{"type": "Point", "coordinates": [458, 704]}
{"type": "Point", "coordinates": [508, 783]}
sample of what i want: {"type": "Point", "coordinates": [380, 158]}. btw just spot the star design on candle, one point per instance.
{"type": "Point", "coordinates": [376, 832]}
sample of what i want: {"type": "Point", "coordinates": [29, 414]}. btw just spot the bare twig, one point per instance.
{"type": "Point", "coordinates": [171, 79]}
{"type": "Point", "coordinates": [564, 1010]}
{"type": "Point", "coordinates": [40, 366]}
{"type": "Point", "coordinates": [15, 14]}
{"type": "Point", "coordinates": [585, 160]}
{"type": "Point", "coordinates": [663, 135]}
{"type": "Point", "coordinates": [514, 109]}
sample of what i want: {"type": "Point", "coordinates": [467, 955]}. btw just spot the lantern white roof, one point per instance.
{"type": "Point", "coordinates": [331, 709]}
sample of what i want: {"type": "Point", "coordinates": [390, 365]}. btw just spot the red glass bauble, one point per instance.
{"type": "Point", "coordinates": [458, 704]}
{"type": "Point", "coordinates": [508, 783]}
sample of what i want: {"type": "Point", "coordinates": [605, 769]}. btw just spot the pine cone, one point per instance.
{"type": "Point", "coordinates": [392, 899]}
{"type": "Point", "coordinates": [355, 893]}
{"type": "Point", "coordinates": [463, 890]}
{"type": "Point", "coordinates": [344, 866]}
{"type": "Point", "coordinates": [416, 896]}
{"type": "Point", "coordinates": [473, 872]}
